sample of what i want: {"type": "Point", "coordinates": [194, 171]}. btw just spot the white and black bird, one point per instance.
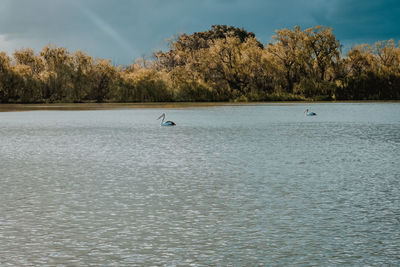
{"type": "Point", "coordinates": [166, 123]}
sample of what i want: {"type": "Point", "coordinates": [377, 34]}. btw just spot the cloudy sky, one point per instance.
{"type": "Point", "coordinates": [123, 30]}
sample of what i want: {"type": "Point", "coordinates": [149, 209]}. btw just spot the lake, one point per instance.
{"type": "Point", "coordinates": [230, 185]}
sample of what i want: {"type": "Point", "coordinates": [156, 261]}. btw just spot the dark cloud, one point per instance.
{"type": "Point", "coordinates": [356, 21]}
{"type": "Point", "coordinates": [126, 29]}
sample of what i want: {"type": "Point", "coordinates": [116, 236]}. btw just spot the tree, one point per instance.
{"type": "Point", "coordinates": [6, 78]}
{"type": "Point", "coordinates": [58, 68]}
{"type": "Point", "coordinates": [220, 64]}
{"type": "Point", "coordinates": [284, 52]}
{"type": "Point", "coordinates": [82, 69]}
{"type": "Point", "coordinates": [27, 57]}
{"type": "Point", "coordinates": [103, 76]}
{"type": "Point", "coordinates": [186, 45]}
{"type": "Point", "coordinates": [240, 65]}
{"type": "Point", "coordinates": [322, 52]}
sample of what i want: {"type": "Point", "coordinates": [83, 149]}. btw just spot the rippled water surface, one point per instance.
{"type": "Point", "coordinates": [229, 185]}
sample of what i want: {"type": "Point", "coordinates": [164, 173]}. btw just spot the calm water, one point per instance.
{"type": "Point", "coordinates": [228, 186]}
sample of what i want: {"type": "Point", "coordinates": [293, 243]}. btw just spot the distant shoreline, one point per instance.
{"type": "Point", "coordinates": [224, 63]}
{"type": "Point", "coordinates": [161, 105]}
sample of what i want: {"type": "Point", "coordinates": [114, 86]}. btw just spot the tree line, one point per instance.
{"type": "Point", "coordinates": [220, 64]}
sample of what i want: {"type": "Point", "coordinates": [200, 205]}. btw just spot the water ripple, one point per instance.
{"type": "Point", "coordinates": [230, 186]}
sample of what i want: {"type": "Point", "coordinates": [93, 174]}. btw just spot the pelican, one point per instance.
{"type": "Point", "coordinates": [167, 123]}
{"type": "Point", "coordinates": [309, 113]}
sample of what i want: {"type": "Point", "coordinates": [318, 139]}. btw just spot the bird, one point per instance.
{"type": "Point", "coordinates": [309, 113]}
{"type": "Point", "coordinates": [167, 123]}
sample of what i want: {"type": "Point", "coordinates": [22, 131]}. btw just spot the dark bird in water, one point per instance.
{"type": "Point", "coordinates": [167, 123]}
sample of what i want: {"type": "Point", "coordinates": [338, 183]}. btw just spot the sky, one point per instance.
{"type": "Point", "coordinates": [124, 30]}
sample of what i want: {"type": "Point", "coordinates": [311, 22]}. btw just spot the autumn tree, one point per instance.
{"type": "Point", "coordinates": [186, 45]}
{"type": "Point", "coordinates": [373, 72]}
{"type": "Point", "coordinates": [83, 68]}
{"type": "Point", "coordinates": [284, 52]}
{"type": "Point", "coordinates": [224, 63]}
{"type": "Point", "coordinates": [102, 78]}
{"type": "Point", "coordinates": [57, 72]}
{"type": "Point", "coordinates": [305, 61]}
{"type": "Point", "coordinates": [238, 66]}
{"type": "Point", "coordinates": [6, 78]}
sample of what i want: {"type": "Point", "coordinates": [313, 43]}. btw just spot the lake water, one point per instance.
{"type": "Point", "coordinates": [240, 185]}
